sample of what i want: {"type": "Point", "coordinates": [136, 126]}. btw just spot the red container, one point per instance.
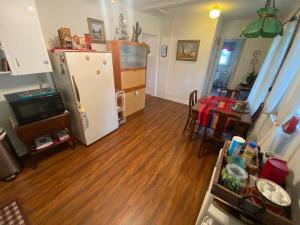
{"type": "Point", "coordinates": [275, 170]}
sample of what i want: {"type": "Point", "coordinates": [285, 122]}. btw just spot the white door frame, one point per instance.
{"type": "Point", "coordinates": [215, 63]}
{"type": "Point", "coordinates": [157, 36]}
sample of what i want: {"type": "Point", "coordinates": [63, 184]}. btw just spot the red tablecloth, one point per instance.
{"type": "Point", "coordinates": [213, 102]}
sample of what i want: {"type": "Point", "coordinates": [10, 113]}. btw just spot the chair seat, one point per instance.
{"type": "Point", "coordinates": [220, 132]}
{"type": "Point", "coordinates": [227, 135]}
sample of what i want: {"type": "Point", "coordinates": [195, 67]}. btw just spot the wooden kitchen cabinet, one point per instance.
{"type": "Point", "coordinates": [21, 38]}
{"type": "Point", "coordinates": [130, 66]}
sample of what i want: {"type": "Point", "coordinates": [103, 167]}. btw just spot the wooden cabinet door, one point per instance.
{"type": "Point", "coordinates": [134, 101]}
{"type": "Point", "coordinates": [22, 39]}
{"type": "Point", "coordinates": [140, 99]}
{"type": "Point", "coordinates": [129, 103]}
{"type": "Point", "coordinates": [133, 78]}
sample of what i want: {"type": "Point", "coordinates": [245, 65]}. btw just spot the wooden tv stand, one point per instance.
{"type": "Point", "coordinates": [27, 133]}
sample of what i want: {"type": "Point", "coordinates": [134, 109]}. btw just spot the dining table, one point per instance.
{"type": "Point", "coordinates": [203, 105]}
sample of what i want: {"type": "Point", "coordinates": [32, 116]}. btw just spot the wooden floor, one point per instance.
{"type": "Point", "coordinates": [147, 172]}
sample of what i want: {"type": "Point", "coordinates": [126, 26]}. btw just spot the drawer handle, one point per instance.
{"type": "Point", "coordinates": [98, 72]}
{"type": "Point", "coordinates": [76, 89]}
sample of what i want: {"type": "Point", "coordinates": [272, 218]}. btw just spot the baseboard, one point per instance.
{"type": "Point", "coordinates": [174, 99]}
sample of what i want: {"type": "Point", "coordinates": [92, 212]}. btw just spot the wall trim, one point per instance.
{"type": "Point", "coordinates": [173, 99]}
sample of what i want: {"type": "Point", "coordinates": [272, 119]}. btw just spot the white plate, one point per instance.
{"type": "Point", "coordinates": [273, 192]}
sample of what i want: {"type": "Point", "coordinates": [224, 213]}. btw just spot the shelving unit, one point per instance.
{"type": "Point", "coordinates": [130, 66]}
{"type": "Point", "coordinates": [4, 67]}
{"type": "Point", "coordinates": [120, 99]}
{"type": "Point", "coordinates": [29, 132]}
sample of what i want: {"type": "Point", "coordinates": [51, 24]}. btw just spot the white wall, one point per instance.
{"type": "Point", "coordinates": [73, 14]}
{"type": "Point", "coordinates": [232, 29]}
{"type": "Point", "coordinates": [178, 78]}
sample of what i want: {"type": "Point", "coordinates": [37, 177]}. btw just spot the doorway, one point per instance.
{"type": "Point", "coordinates": [152, 62]}
{"type": "Point", "coordinates": [226, 65]}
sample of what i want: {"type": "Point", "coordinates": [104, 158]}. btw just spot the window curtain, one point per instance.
{"type": "Point", "coordinates": [275, 139]}
{"type": "Point", "coordinates": [266, 77]}
{"type": "Point", "coordinates": [283, 99]}
{"type": "Point", "coordinates": [270, 67]}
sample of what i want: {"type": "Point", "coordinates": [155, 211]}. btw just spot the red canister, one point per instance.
{"type": "Point", "coordinates": [275, 170]}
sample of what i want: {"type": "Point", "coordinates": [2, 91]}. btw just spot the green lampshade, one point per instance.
{"type": "Point", "coordinates": [267, 26]}
{"type": "Point", "coordinates": [253, 29]}
{"type": "Point", "coordinates": [271, 28]}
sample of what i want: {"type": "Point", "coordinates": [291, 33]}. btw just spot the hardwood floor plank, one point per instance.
{"type": "Point", "coordinates": [146, 172]}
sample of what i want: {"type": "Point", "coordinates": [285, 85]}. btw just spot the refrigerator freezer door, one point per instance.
{"type": "Point", "coordinates": [63, 83]}
{"type": "Point", "coordinates": [93, 82]}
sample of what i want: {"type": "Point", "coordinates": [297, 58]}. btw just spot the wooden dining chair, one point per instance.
{"type": "Point", "coordinates": [220, 133]}
{"type": "Point", "coordinates": [231, 93]}
{"type": "Point", "coordinates": [192, 101]}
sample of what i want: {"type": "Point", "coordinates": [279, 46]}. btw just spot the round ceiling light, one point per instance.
{"type": "Point", "coordinates": [214, 13]}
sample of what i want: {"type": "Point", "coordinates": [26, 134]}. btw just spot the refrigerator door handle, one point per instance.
{"type": "Point", "coordinates": [76, 89]}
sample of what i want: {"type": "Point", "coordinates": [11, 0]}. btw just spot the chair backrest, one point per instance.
{"type": "Point", "coordinates": [257, 113]}
{"type": "Point", "coordinates": [192, 100]}
{"type": "Point", "coordinates": [231, 93]}
{"type": "Point", "coordinates": [221, 125]}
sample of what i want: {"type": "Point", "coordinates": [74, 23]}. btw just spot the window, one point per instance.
{"type": "Point", "coordinates": [225, 57]}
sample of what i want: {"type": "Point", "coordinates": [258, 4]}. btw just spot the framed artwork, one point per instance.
{"type": "Point", "coordinates": [187, 50]}
{"type": "Point", "coordinates": [96, 29]}
{"type": "Point", "coordinates": [164, 51]}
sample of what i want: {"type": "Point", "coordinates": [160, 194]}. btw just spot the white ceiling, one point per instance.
{"type": "Point", "coordinates": [232, 9]}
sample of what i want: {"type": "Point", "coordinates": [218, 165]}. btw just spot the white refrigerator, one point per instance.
{"type": "Point", "coordinates": [85, 81]}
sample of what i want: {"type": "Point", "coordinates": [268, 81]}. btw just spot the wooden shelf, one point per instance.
{"type": "Point", "coordinates": [133, 68]}
{"type": "Point", "coordinates": [29, 132]}
{"type": "Point", "coordinates": [134, 88]}
{"type": "Point", "coordinates": [56, 142]}
{"type": "Point", "coordinates": [246, 206]}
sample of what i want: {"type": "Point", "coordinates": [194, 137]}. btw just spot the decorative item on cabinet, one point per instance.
{"type": "Point", "coordinates": [121, 31]}
{"type": "Point", "coordinates": [65, 38]}
{"type": "Point", "coordinates": [88, 41]}
{"type": "Point", "coordinates": [97, 30]}
{"type": "Point", "coordinates": [130, 64]}
{"type": "Point", "coordinates": [137, 30]}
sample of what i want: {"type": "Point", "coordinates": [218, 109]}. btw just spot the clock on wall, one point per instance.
{"type": "Point", "coordinates": [254, 61]}
{"type": "Point", "coordinates": [257, 53]}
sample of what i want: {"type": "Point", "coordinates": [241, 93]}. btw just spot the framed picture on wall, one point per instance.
{"type": "Point", "coordinates": [164, 51]}
{"type": "Point", "coordinates": [187, 50]}
{"type": "Point", "coordinates": [96, 29]}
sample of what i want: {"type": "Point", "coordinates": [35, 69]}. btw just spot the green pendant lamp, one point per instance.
{"type": "Point", "coordinates": [267, 25]}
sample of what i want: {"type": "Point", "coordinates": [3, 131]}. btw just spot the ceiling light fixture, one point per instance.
{"type": "Point", "coordinates": [214, 13]}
